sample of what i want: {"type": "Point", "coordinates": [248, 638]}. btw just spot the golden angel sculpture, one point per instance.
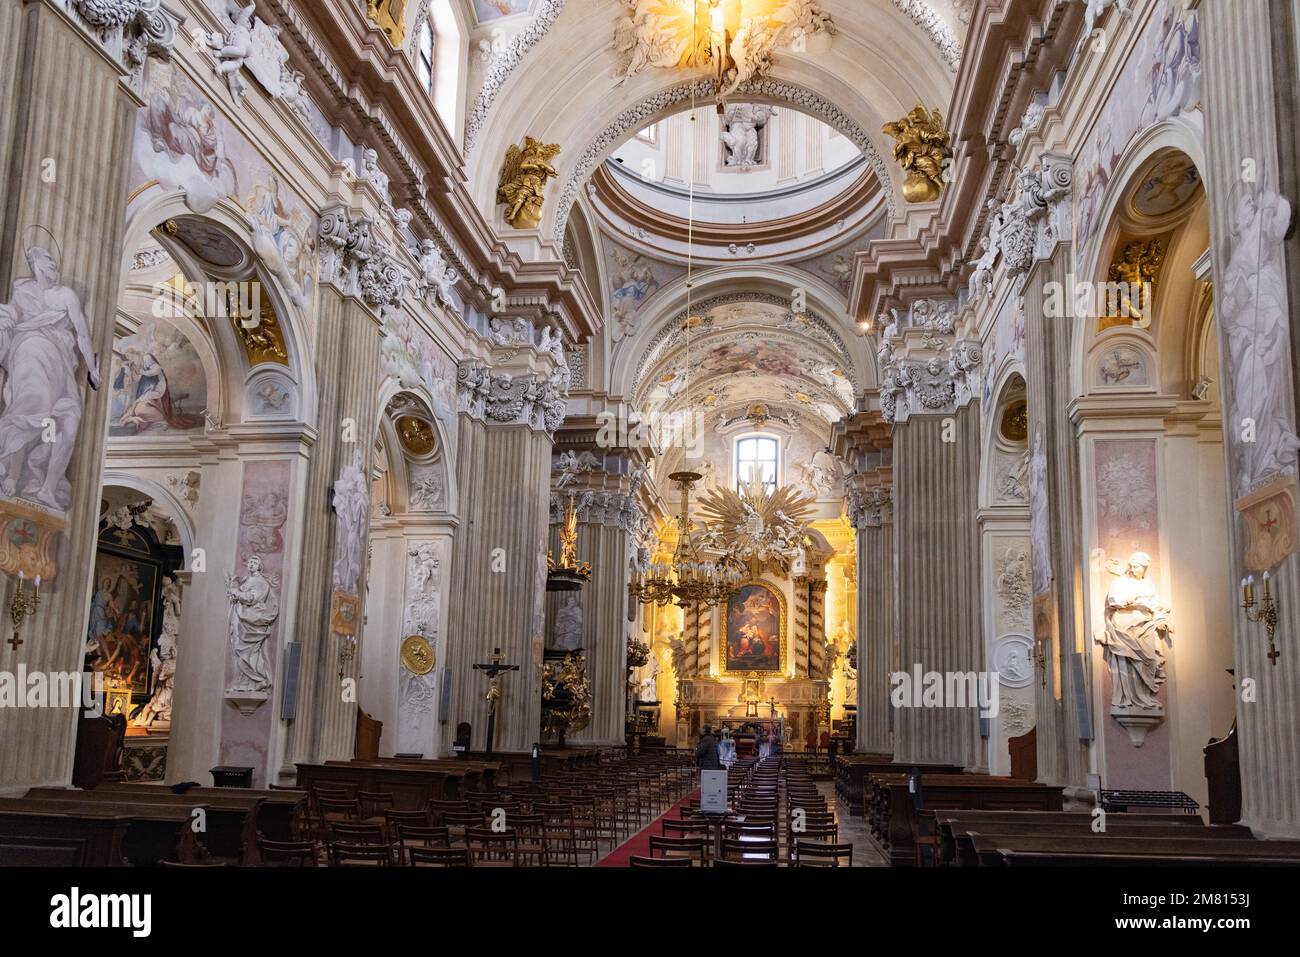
{"type": "Point", "coordinates": [523, 179]}
{"type": "Point", "coordinates": [390, 15]}
{"type": "Point", "coordinates": [921, 146]}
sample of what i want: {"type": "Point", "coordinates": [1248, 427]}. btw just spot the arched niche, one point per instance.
{"type": "Point", "coordinates": [216, 248]}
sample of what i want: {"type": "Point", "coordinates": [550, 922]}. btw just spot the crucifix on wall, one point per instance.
{"type": "Point", "coordinates": [493, 669]}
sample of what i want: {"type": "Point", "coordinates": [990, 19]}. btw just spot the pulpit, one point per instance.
{"type": "Point", "coordinates": [1223, 776]}
{"type": "Point", "coordinates": [369, 730]}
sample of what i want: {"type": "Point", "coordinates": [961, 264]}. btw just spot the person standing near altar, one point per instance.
{"type": "Point", "coordinates": [706, 752]}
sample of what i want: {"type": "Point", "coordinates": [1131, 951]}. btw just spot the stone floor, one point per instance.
{"type": "Point", "coordinates": [853, 830]}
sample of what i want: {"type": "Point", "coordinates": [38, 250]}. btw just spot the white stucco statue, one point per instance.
{"type": "Point", "coordinates": [44, 336]}
{"type": "Point", "coordinates": [232, 49]}
{"type": "Point", "coordinates": [1253, 312]}
{"type": "Point", "coordinates": [254, 609]}
{"type": "Point", "coordinates": [436, 275]}
{"type": "Point", "coordinates": [352, 506]}
{"type": "Point", "coordinates": [740, 132]}
{"type": "Point", "coordinates": [1137, 626]}
{"type": "Point", "coordinates": [567, 631]}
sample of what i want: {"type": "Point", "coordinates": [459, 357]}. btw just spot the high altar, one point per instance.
{"type": "Point", "coordinates": [766, 656]}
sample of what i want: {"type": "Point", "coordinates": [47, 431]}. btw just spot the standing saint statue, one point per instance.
{"type": "Point", "coordinates": [254, 609]}
{"type": "Point", "coordinates": [44, 336]}
{"type": "Point", "coordinates": [1137, 625]}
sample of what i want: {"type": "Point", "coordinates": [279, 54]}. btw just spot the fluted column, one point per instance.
{"type": "Point", "coordinates": [336, 493]}
{"type": "Point", "coordinates": [606, 523]}
{"type": "Point", "coordinates": [874, 520]}
{"type": "Point", "coordinates": [930, 382]}
{"type": "Point", "coordinates": [1250, 89]}
{"type": "Point", "coordinates": [498, 590]}
{"type": "Point", "coordinates": [66, 120]}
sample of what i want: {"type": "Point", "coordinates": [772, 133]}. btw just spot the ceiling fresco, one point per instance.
{"type": "Point", "coordinates": [746, 352]}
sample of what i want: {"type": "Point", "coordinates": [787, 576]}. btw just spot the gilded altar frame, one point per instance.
{"type": "Point", "coordinates": [781, 626]}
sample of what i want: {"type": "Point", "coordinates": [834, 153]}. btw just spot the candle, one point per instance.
{"type": "Point", "coordinates": [1266, 578]}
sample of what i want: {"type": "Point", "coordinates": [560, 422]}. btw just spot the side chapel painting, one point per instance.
{"type": "Point", "coordinates": [755, 630]}
{"type": "Point", "coordinates": [158, 383]}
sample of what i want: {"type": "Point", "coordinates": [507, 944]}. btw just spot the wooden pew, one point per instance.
{"type": "Point", "coordinates": [946, 823]}
{"type": "Point", "coordinates": [851, 772]}
{"type": "Point", "coordinates": [39, 831]}
{"type": "Point", "coordinates": [411, 787]}
{"type": "Point", "coordinates": [47, 837]}
{"type": "Point", "coordinates": [893, 818]}
{"type": "Point", "coordinates": [462, 776]}
{"type": "Point", "coordinates": [279, 812]}
{"type": "Point", "coordinates": [229, 819]}
{"type": "Point", "coordinates": [963, 835]}
{"type": "Point", "coordinates": [1008, 850]}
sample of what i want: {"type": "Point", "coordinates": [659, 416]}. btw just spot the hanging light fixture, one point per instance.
{"type": "Point", "coordinates": [689, 577]}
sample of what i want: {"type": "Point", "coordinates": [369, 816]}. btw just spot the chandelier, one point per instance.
{"type": "Point", "coordinates": [688, 578]}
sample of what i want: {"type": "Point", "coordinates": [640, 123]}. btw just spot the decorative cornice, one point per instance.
{"type": "Point", "coordinates": [352, 260]}
{"type": "Point", "coordinates": [636, 116]}
{"type": "Point", "coordinates": [940, 34]}
{"type": "Point", "coordinates": [503, 64]}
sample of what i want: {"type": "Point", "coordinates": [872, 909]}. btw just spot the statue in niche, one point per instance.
{"type": "Point", "coordinates": [1137, 626]}
{"type": "Point", "coordinates": [744, 134]}
{"type": "Point", "coordinates": [566, 634]}
{"type": "Point", "coordinates": [254, 609]}
{"type": "Point", "coordinates": [646, 689]}
{"type": "Point", "coordinates": [43, 334]}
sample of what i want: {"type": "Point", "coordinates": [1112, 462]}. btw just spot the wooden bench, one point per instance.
{"type": "Point", "coordinates": [851, 772]}
{"type": "Point", "coordinates": [1012, 850]}
{"type": "Point", "coordinates": [893, 816]}
{"type": "Point", "coordinates": [229, 819]}
{"type": "Point", "coordinates": [947, 823]}
{"type": "Point", "coordinates": [963, 835]}
{"type": "Point", "coordinates": [95, 833]}
{"type": "Point", "coordinates": [279, 812]}
{"type": "Point", "coordinates": [412, 787]}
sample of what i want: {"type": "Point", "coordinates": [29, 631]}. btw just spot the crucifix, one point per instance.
{"type": "Point", "coordinates": [493, 670]}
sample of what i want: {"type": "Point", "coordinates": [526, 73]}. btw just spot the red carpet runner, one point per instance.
{"type": "Point", "coordinates": [638, 845]}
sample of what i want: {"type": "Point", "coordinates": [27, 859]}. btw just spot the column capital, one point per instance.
{"type": "Point", "coordinates": [504, 399]}
{"type": "Point", "coordinates": [357, 261]}
{"type": "Point", "coordinates": [871, 507]}
{"type": "Point", "coordinates": [130, 31]}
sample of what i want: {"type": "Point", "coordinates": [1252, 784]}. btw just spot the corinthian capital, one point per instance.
{"type": "Point", "coordinates": [130, 31]}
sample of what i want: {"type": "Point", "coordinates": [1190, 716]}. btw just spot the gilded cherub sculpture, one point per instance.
{"type": "Point", "coordinates": [1132, 277]}
{"type": "Point", "coordinates": [922, 149]}
{"type": "Point", "coordinates": [523, 178]}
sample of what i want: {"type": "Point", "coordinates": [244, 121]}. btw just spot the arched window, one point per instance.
{"type": "Point", "coordinates": [424, 54]}
{"type": "Point", "coordinates": [757, 456]}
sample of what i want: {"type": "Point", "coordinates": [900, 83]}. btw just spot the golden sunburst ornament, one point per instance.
{"type": "Point", "coordinates": [756, 525]}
